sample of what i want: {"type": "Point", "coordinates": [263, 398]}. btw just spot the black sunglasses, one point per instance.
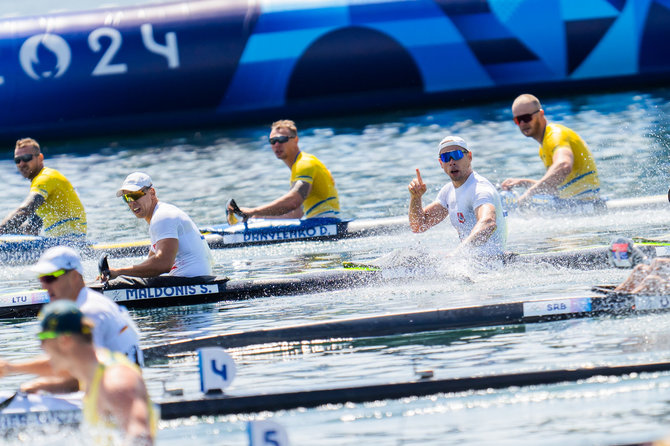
{"type": "Point", "coordinates": [525, 118]}
{"type": "Point", "coordinates": [24, 158]}
{"type": "Point", "coordinates": [279, 139]}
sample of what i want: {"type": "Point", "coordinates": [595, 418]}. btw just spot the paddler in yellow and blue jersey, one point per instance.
{"type": "Point", "coordinates": [52, 204]}
{"type": "Point", "coordinates": [312, 193]}
{"type": "Point", "coordinates": [571, 170]}
{"type": "Point", "coordinates": [116, 397]}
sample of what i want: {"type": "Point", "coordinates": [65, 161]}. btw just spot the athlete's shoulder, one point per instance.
{"type": "Point", "coordinates": [483, 187]}
{"type": "Point", "coordinates": [50, 176]}
{"type": "Point", "coordinates": [556, 127]}
{"type": "Point", "coordinates": [304, 167]}
{"type": "Point", "coordinates": [112, 358]}
{"type": "Point", "coordinates": [42, 176]}
{"type": "Point", "coordinates": [167, 215]}
{"type": "Point", "coordinates": [305, 159]}
{"type": "Point", "coordinates": [167, 210]}
{"type": "Point", "coordinates": [94, 302]}
{"type": "Point", "coordinates": [445, 190]}
{"type": "Point", "coordinates": [482, 180]}
{"type": "Point", "coordinates": [54, 174]}
{"type": "Point", "coordinates": [554, 130]}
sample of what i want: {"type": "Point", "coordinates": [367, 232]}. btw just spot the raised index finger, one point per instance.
{"type": "Point", "coordinates": [418, 176]}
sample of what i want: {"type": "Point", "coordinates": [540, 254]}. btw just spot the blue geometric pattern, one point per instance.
{"type": "Point", "coordinates": [452, 45]}
{"type": "Point", "coordinates": [233, 61]}
{"type": "Point", "coordinates": [654, 48]}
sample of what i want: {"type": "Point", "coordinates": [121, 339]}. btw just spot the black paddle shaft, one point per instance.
{"type": "Point", "coordinates": [236, 209]}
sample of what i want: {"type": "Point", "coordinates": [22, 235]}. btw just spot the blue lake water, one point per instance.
{"type": "Point", "coordinates": [373, 159]}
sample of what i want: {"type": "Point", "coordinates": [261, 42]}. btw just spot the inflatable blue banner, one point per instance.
{"type": "Point", "coordinates": [208, 62]}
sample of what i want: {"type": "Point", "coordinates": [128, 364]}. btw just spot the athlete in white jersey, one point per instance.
{"type": "Point", "coordinates": [193, 256]}
{"type": "Point", "coordinates": [462, 203]}
{"type": "Point", "coordinates": [470, 200]}
{"type": "Point", "coordinates": [113, 329]}
{"type": "Point", "coordinates": [60, 274]}
{"type": "Point", "coordinates": [177, 247]}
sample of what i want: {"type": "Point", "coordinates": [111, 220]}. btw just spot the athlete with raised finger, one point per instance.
{"type": "Point", "coordinates": [470, 200]}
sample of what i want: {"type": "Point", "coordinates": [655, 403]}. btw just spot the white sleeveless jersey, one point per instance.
{"type": "Point", "coordinates": [461, 203]}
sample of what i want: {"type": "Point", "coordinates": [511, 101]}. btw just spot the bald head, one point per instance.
{"type": "Point", "coordinates": [527, 99]}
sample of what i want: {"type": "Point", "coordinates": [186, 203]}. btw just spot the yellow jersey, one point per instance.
{"type": "Point", "coordinates": [323, 198]}
{"type": "Point", "coordinates": [103, 427]}
{"type": "Point", "coordinates": [582, 183]}
{"type": "Point", "coordinates": [62, 213]}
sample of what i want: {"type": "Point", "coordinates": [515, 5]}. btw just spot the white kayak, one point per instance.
{"type": "Point", "coordinates": [21, 410]}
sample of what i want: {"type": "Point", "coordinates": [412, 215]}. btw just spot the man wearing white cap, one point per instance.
{"type": "Point", "coordinates": [60, 273]}
{"type": "Point", "coordinates": [177, 247]}
{"type": "Point", "coordinates": [470, 200]}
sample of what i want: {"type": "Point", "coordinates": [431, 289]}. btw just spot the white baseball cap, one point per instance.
{"type": "Point", "coordinates": [134, 182]}
{"type": "Point", "coordinates": [57, 258]}
{"type": "Point", "coordinates": [452, 141]}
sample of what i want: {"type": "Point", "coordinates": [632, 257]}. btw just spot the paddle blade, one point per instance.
{"type": "Point", "coordinates": [5, 403]}
{"type": "Point", "coordinates": [103, 266]}
{"type": "Point", "coordinates": [231, 210]}
{"type": "Point", "coordinates": [236, 212]}
{"type": "Point", "coordinates": [231, 218]}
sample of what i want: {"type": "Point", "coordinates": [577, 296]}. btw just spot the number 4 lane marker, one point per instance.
{"type": "Point", "coordinates": [217, 369]}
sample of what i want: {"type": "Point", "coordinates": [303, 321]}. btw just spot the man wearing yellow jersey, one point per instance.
{"type": "Point", "coordinates": [571, 171]}
{"type": "Point", "coordinates": [312, 192]}
{"type": "Point", "coordinates": [52, 204]}
{"type": "Point", "coordinates": [116, 396]}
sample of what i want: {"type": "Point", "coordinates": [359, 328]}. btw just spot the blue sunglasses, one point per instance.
{"type": "Point", "coordinates": [454, 154]}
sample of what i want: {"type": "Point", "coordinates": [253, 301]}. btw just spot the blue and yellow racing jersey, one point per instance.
{"type": "Point", "coordinates": [62, 213]}
{"type": "Point", "coordinates": [323, 198]}
{"type": "Point", "coordinates": [582, 183]}
{"type": "Point", "coordinates": [100, 424]}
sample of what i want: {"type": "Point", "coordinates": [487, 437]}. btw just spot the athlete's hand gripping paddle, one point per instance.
{"type": "Point", "coordinates": [232, 211]}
